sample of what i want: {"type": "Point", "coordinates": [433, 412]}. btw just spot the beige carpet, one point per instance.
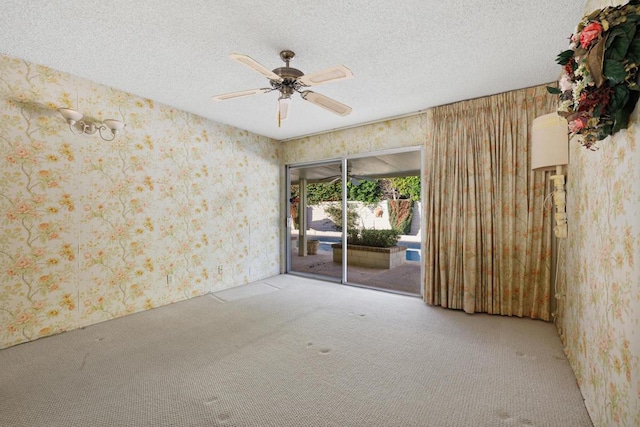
{"type": "Point", "coordinates": [290, 351]}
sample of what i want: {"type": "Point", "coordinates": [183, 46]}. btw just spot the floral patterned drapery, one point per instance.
{"type": "Point", "coordinates": [488, 245]}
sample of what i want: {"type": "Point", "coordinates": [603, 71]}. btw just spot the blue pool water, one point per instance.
{"type": "Point", "coordinates": [413, 248]}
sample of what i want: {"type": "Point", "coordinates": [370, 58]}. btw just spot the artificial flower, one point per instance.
{"type": "Point", "coordinates": [566, 83]}
{"type": "Point", "coordinates": [577, 125]}
{"type": "Point", "coordinates": [589, 34]}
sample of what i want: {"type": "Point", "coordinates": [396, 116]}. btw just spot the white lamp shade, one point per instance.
{"type": "Point", "coordinates": [283, 108]}
{"type": "Point", "coordinates": [114, 124]}
{"type": "Point", "coordinates": [549, 142]}
{"type": "Point", "coordinates": [70, 114]}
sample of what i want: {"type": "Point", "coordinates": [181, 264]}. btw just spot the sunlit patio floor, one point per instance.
{"type": "Point", "coordinates": [404, 278]}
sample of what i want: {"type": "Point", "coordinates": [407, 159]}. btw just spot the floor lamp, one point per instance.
{"type": "Point", "coordinates": [550, 150]}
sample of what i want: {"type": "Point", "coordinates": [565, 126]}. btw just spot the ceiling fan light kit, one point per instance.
{"type": "Point", "coordinates": [282, 109]}
{"type": "Point", "coordinates": [288, 81]}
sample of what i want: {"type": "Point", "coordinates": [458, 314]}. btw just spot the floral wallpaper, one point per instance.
{"type": "Point", "coordinates": [398, 133]}
{"type": "Point", "coordinates": [173, 208]}
{"type": "Point", "coordinates": [600, 324]}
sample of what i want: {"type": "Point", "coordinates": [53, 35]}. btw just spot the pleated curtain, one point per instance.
{"type": "Point", "coordinates": [488, 229]}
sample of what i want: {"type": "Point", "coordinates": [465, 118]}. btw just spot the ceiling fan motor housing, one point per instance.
{"type": "Point", "coordinates": [289, 82]}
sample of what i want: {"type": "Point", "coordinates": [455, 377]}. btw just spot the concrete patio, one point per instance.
{"type": "Point", "coordinates": [404, 278]}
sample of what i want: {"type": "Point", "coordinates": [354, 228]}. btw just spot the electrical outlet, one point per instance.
{"type": "Point", "coordinates": [169, 279]}
{"type": "Point", "coordinates": [220, 270]}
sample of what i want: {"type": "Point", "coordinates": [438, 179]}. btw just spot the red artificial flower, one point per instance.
{"type": "Point", "coordinates": [590, 99]}
{"type": "Point", "coordinates": [577, 124]}
{"type": "Point", "coordinates": [589, 34]}
{"type": "Point", "coordinates": [568, 68]}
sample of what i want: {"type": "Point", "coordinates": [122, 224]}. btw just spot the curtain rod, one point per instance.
{"type": "Point", "coordinates": [402, 116]}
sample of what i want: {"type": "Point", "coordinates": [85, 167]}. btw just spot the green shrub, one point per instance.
{"type": "Point", "coordinates": [334, 212]}
{"type": "Point", "coordinates": [373, 237]}
{"type": "Point", "coordinates": [367, 191]}
{"type": "Point", "coordinates": [408, 186]}
{"type": "Point", "coordinates": [324, 192]}
{"type": "Point", "coordinates": [401, 215]}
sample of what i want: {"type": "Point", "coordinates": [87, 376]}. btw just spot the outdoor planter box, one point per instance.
{"type": "Point", "coordinates": [312, 246]}
{"type": "Point", "coordinates": [367, 256]}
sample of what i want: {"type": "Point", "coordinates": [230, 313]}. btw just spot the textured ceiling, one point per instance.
{"type": "Point", "coordinates": [406, 56]}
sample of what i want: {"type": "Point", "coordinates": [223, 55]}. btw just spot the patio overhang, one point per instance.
{"type": "Point", "coordinates": [371, 167]}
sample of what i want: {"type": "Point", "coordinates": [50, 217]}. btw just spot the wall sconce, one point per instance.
{"type": "Point", "coordinates": [90, 128]}
{"type": "Point", "coordinates": [549, 150]}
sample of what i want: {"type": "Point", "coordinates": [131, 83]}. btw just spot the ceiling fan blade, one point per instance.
{"type": "Point", "coordinates": [326, 103]}
{"type": "Point", "coordinates": [326, 76]}
{"type": "Point", "coordinates": [254, 65]}
{"type": "Point", "coordinates": [240, 94]}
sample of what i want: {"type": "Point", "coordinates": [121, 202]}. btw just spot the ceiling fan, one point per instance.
{"type": "Point", "coordinates": [288, 80]}
{"type": "Point", "coordinates": [353, 179]}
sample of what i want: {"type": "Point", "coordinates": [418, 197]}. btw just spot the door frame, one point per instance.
{"type": "Point", "coordinates": [288, 221]}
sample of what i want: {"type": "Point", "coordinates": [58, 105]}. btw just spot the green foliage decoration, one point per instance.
{"type": "Point", "coordinates": [598, 89]}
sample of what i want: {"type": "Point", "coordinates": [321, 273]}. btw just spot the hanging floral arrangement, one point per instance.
{"type": "Point", "coordinates": [598, 89]}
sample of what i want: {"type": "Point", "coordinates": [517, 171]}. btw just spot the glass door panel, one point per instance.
{"type": "Point", "coordinates": [315, 212]}
{"type": "Point", "coordinates": [383, 250]}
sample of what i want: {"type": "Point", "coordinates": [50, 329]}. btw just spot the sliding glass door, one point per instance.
{"type": "Point", "coordinates": [368, 205]}
{"type": "Point", "coordinates": [315, 216]}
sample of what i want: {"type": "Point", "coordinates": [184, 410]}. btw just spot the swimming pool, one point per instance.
{"type": "Point", "coordinates": [413, 248]}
